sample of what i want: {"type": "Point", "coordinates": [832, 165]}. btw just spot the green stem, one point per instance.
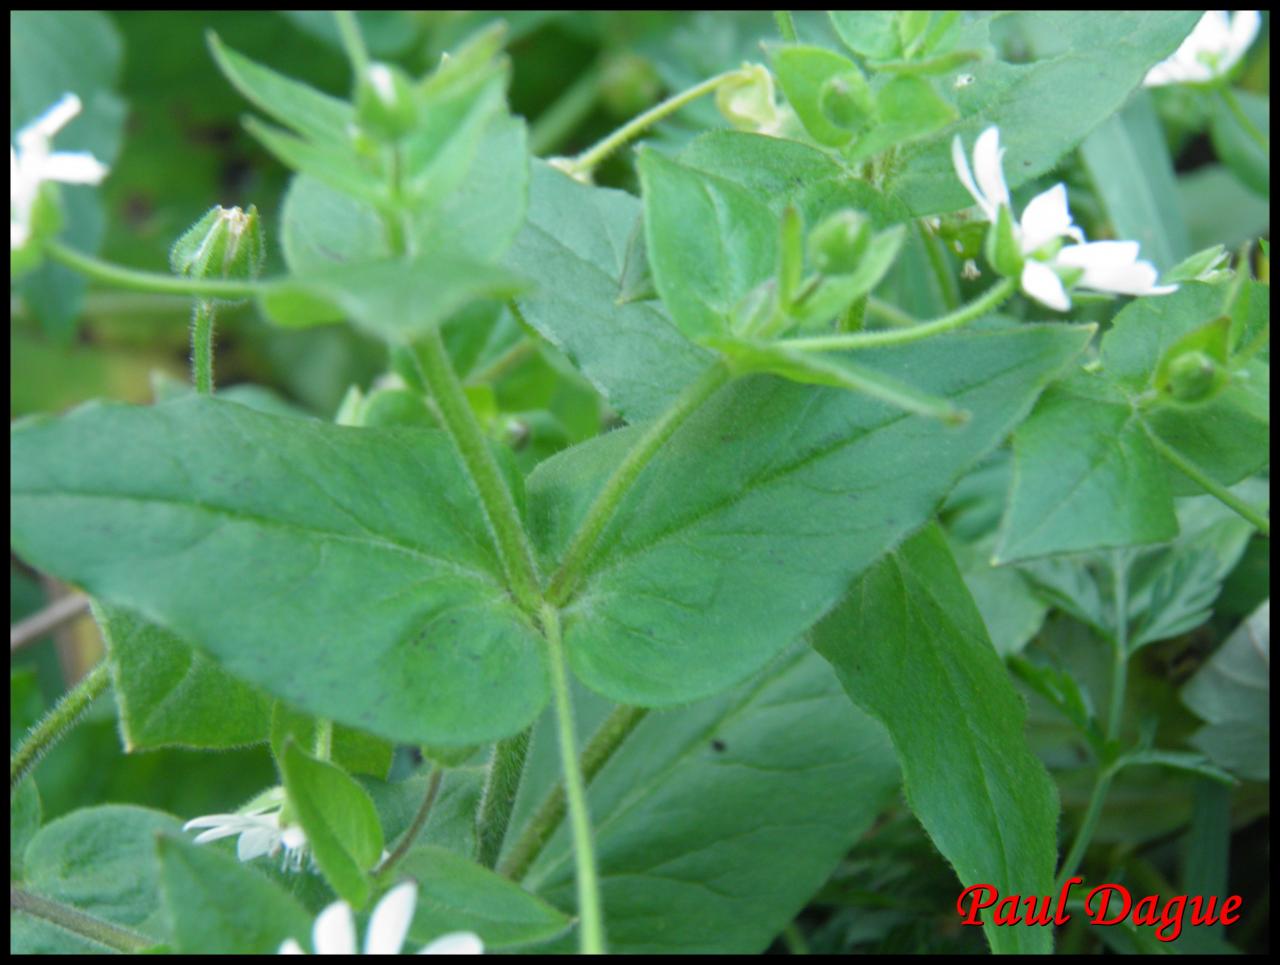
{"type": "Point", "coordinates": [1087, 826]}
{"type": "Point", "coordinates": [1224, 495]}
{"type": "Point", "coordinates": [586, 162]}
{"type": "Point", "coordinates": [1119, 644]}
{"type": "Point", "coordinates": [571, 108]}
{"type": "Point", "coordinates": [892, 314]}
{"type": "Point", "coordinates": [202, 320]}
{"type": "Point", "coordinates": [57, 722]}
{"type": "Point", "coordinates": [786, 25]}
{"type": "Point", "coordinates": [504, 363]}
{"type": "Point", "coordinates": [793, 938]}
{"type": "Point", "coordinates": [1245, 121]}
{"type": "Point", "coordinates": [942, 273]}
{"type": "Point", "coordinates": [565, 581]}
{"type": "Point", "coordinates": [500, 509]}
{"type": "Point", "coordinates": [74, 920]}
{"type": "Point", "coordinates": [110, 274]}
{"type": "Point", "coordinates": [501, 785]}
{"type": "Point", "coordinates": [393, 215]}
{"type": "Point", "coordinates": [352, 42]}
{"type": "Point", "coordinates": [591, 924]}
{"type": "Point", "coordinates": [602, 745]}
{"type": "Point", "coordinates": [980, 306]}
{"type": "Point", "coordinates": [419, 822]}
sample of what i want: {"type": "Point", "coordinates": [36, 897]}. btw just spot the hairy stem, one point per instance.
{"type": "Point", "coordinates": [77, 922]}
{"type": "Point", "coordinates": [1224, 495]}
{"type": "Point", "coordinates": [1087, 826]}
{"type": "Point", "coordinates": [982, 305]}
{"type": "Point", "coordinates": [419, 822]}
{"type": "Point", "coordinates": [571, 571]}
{"type": "Point", "coordinates": [202, 320]}
{"type": "Point", "coordinates": [1119, 643]}
{"type": "Point", "coordinates": [57, 722]}
{"type": "Point", "coordinates": [499, 507]}
{"type": "Point", "coordinates": [602, 745]}
{"type": "Point", "coordinates": [506, 768]}
{"type": "Point", "coordinates": [586, 162]}
{"type": "Point", "coordinates": [591, 918]}
{"type": "Point", "coordinates": [504, 363]}
{"type": "Point", "coordinates": [147, 281]}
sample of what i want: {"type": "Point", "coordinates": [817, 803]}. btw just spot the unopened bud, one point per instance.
{"type": "Point", "coordinates": [838, 244]}
{"type": "Point", "coordinates": [746, 99]}
{"type": "Point", "coordinates": [386, 103]}
{"type": "Point", "coordinates": [1194, 377]}
{"type": "Point", "coordinates": [225, 243]}
{"type": "Point", "coordinates": [847, 102]}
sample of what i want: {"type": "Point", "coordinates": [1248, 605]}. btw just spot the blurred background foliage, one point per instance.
{"type": "Point", "coordinates": [170, 127]}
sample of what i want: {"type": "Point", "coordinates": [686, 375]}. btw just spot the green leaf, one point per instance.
{"type": "Point", "coordinates": [219, 906]}
{"type": "Point", "coordinates": [909, 647]}
{"type": "Point", "coordinates": [100, 860]}
{"type": "Point", "coordinates": [871, 33]}
{"type": "Point", "coordinates": [170, 695]}
{"type": "Point", "coordinates": [1232, 693]}
{"type": "Point", "coordinates": [1187, 762]}
{"type": "Point", "coordinates": [1219, 209]}
{"type": "Point", "coordinates": [909, 109]}
{"type": "Point", "coordinates": [321, 227]}
{"type": "Point", "coordinates": [1128, 162]}
{"type": "Point", "coordinates": [1237, 148]}
{"type": "Point", "coordinates": [802, 71]}
{"type": "Point", "coordinates": [1060, 689]}
{"type": "Point", "coordinates": [1145, 329]}
{"type": "Point", "coordinates": [837, 292]}
{"type": "Point", "coordinates": [456, 894]}
{"type": "Point", "coordinates": [747, 356]}
{"type": "Point", "coordinates": [710, 242]}
{"type": "Point", "coordinates": [24, 821]}
{"type": "Point", "coordinates": [1086, 476]}
{"type": "Point", "coordinates": [1046, 107]}
{"type": "Point", "coordinates": [312, 114]}
{"type": "Point", "coordinates": [339, 818]}
{"type": "Point", "coordinates": [394, 300]}
{"type": "Point", "coordinates": [767, 479]}
{"type": "Point", "coordinates": [686, 861]}
{"type": "Point", "coordinates": [352, 750]}
{"type": "Point", "coordinates": [330, 164]}
{"type": "Point", "coordinates": [575, 242]}
{"type": "Point", "coordinates": [1010, 609]}
{"type": "Point", "coordinates": [378, 568]}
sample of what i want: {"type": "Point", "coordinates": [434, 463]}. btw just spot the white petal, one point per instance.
{"type": "Point", "coordinates": [293, 837]}
{"type": "Point", "coordinates": [383, 83]}
{"type": "Point", "coordinates": [1041, 283]}
{"type": "Point", "coordinates": [53, 120]}
{"type": "Point", "coordinates": [73, 167]}
{"type": "Point", "coordinates": [18, 235]}
{"type": "Point", "coordinates": [257, 841]}
{"type": "Point", "coordinates": [1099, 259]}
{"type": "Point", "coordinates": [987, 160]}
{"type": "Point", "coordinates": [290, 947]}
{"type": "Point", "coordinates": [390, 920]}
{"type": "Point", "coordinates": [1047, 217]}
{"type": "Point", "coordinates": [455, 943]}
{"type": "Point", "coordinates": [963, 173]}
{"type": "Point", "coordinates": [214, 821]}
{"type": "Point", "coordinates": [335, 931]}
{"type": "Point", "coordinates": [1244, 28]}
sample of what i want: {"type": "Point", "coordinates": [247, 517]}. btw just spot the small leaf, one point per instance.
{"type": "Point", "coordinates": [339, 819]}
{"type": "Point", "coordinates": [804, 73]}
{"type": "Point", "coordinates": [1188, 762]}
{"type": "Point", "coordinates": [871, 33]}
{"type": "Point", "coordinates": [910, 109]}
{"type": "Point", "coordinates": [1237, 147]}
{"type": "Point", "coordinates": [352, 750]}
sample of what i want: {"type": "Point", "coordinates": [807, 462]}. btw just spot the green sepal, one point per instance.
{"type": "Point", "coordinates": [1209, 265]}
{"type": "Point", "coordinates": [1193, 370]}
{"type": "Point", "coordinates": [225, 243]}
{"type": "Point", "coordinates": [387, 102]}
{"type": "Point", "coordinates": [839, 243]}
{"type": "Point", "coordinates": [847, 102]}
{"type": "Point", "coordinates": [1004, 254]}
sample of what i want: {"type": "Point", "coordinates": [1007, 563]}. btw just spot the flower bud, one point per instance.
{"type": "Point", "coordinates": [1003, 251]}
{"type": "Point", "coordinates": [746, 100]}
{"type": "Point", "coordinates": [225, 243]}
{"type": "Point", "coordinates": [386, 103]}
{"type": "Point", "coordinates": [628, 84]}
{"type": "Point", "coordinates": [1194, 377]}
{"type": "Point", "coordinates": [840, 242]}
{"type": "Point", "coordinates": [847, 102]}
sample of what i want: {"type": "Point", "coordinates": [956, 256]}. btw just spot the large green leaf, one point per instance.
{"type": "Point", "coordinates": [1232, 692]}
{"type": "Point", "coordinates": [716, 822]}
{"type": "Point", "coordinates": [348, 571]}
{"type": "Point", "coordinates": [101, 861]}
{"type": "Point", "coordinates": [1087, 476]}
{"type": "Point", "coordinates": [709, 240]}
{"type": "Point", "coordinates": [219, 906]}
{"type": "Point", "coordinates": [456, 894]}
{"type": "Point", "coordinates": [1237, 147]}
{"type": "Point", "coordinates": [1129, 164]}
{"type": "Point", "coordinates": [772, 490]}
{"type": "Point", "coordinates": [170, 694]}
{"type": "Point", "coordinates": [1046, 107]}
{"type": "Point", "coordinates": [575, 243]}
{"type": "Point", "coordinates": [909, 646]}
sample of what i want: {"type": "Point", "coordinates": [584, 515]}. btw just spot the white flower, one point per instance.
{"type": "Point", "coordinates": [334, 932]}
{"type": "Point", "coordinates": [1215, 46]}
{"type": "Point", "coordinates": [1105, 266]}
{"type": "Point", "coordinates": [34, 162]}
{"type": "Point", "coordinates": [260, 833]}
